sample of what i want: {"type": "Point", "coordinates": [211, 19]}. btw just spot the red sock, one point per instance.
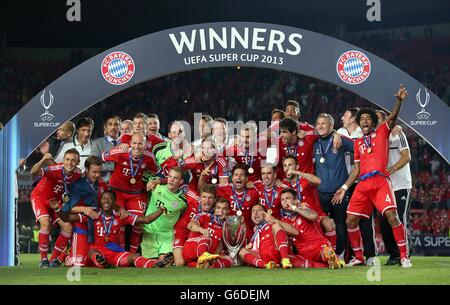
{"type": "Point", "coordinates": [223, 262]}
{"type": "Point", "coordinates": [281, 240]}
{"type": "Point", "coordinates": [60, 244]}
{"type": "Point", "coordinates": [331, 236]}
{"type": "Point", "coordinates": [142, 262]}
{"type": "Point", "coordinates": [62, 256]}
{"type": "Point", "coordinates": [400, 238]}
{"type": "Point", "coordinates": [135, 239]}
{"type": "Point", "coordinates": [354, 236]}
{"type": "Point", "coordinates": [203, 246]}
{"type": "Point", "coordinates": [254, 260]}
{"type": "Point", "coordinates": [43, 243]}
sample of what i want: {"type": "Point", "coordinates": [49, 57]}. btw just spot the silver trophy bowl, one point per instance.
{"type": "Point", "coordinates": [234, 233]}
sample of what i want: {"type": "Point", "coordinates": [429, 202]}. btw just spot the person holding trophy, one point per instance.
{"type": "Point", "coordinates": [241, 198]}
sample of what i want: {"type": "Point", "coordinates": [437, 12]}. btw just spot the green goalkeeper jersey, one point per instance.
{"type": "Point", "coordinates": [175, 203]}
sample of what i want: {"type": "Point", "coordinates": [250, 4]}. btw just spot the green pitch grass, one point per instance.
{"type": "Point", "coordinates": [425, 270]}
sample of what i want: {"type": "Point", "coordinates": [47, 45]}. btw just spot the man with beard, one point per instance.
{"type": "Point", "coordinates": [241, 198]}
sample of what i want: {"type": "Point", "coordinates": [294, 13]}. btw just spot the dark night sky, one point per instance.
{"type": "Point", "coordinates": [107, 23]}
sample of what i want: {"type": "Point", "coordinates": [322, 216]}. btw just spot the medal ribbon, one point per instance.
{"type": "Point", "coordinates": [236, 199]}
{"type": "Point", "coordinates": [132, 172]}
{"type": "Point", "coordinates": [330, 141]}
{"type": "Point", "coordinates": [270, 203]}
{"type": "Point", "coordinates": [368, 140]}
{"type": "Point", "coordinates": [258, 230]}
{"type": "Point", "coordinates": [107, 229]}
{"type": "Point", "coordinates": [247, 157]}
{"type": "Point", "coordinates": [66, 189]}
{"type": "Point", "coordinates": [298, 187]}
{"type": "Point", "coordinates": [288, 147]}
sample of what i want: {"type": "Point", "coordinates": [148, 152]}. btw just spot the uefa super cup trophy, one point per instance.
{"type": "Point", "coordinates": [234, 233]}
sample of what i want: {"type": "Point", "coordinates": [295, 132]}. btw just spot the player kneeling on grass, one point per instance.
{"type": "Point", "coordinates": [307, 237]}
{"type": "Point", "coordinates": [268, 246]}
{"type": "Point", "coordinates": [205, 239]}
{"type": "Point", "coordinates": [106, 251]}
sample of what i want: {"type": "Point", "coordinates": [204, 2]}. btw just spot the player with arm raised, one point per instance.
{"type": "Point", "coordinates": [374, 189]}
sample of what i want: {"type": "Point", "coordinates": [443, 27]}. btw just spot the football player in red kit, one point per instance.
{"type": "Point", "coordinates": [269, 192]}
{"type": "Point", "coordinates": [202, 203]}
{"type": "Point", "coordinates": [84, 197]}
{"type": "Point", "coordinates": [207, 167]}
{"type": "Point", "coordinates": [307, 238]}
{"type": "Point", "coordinates": [105, 250]}
{"type": "Point", "coordinates": [126, 180]}
{"type": "Point", "coordinates": [54, 185]}
{"type": "Point", "coordinates": [374, 188]}
{"type": "Point", "coordinates": [268, 245]}
{"type": "Point", "coordinates": [247, 151]}
{"type": "Point", "coordinates": [241, 198]}
{"type": "Point", "coordinates": [205, 239]}
{"type": "Point", "coordinates": [305, 186]}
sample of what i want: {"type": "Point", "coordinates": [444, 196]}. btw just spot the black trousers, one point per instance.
{"type": "Point", "coordinates": [338, 213]}
{"type": "Point", "coordinates": [402, 199]}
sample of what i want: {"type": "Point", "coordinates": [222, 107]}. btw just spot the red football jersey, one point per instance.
{"type": "Point", "coordinates": [263, 238]}
{"type": "Point", "coordinates": [114, 228]}
{"type": "Point", "coordinates": [270, 199]}
{"type": "Point", "coordinates": [246, 200]}
{"type": "Point", "coordinates": [121, 176]}
{"type": "Point", "coordinates": [242, 156]}
{"type": "Point", "coordinates": [303, 149]}
{"type": "Point", "coordinates": [193, 208]}
{"type": "Point", "coordinates": [378, 158]}
{"type": "Point", "coordinates": [51, 184]}
{"type": "Point", "coordinates": [306, 189]}
{"type": "Point", "coordinates": [310, 232]}
{"type": "Point", "coordinates": [151, 142]}
{"type": "Point", "coordinates": [219, 169]}
{"type": "Point", "coordinates": [206, 220]}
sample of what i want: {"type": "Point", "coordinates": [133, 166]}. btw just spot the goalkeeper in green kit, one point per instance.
{"type": "Point", "coordinates": [157, 241]}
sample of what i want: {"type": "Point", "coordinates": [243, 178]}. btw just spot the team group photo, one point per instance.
{"type": "Point", "coordinates": [227, 153]}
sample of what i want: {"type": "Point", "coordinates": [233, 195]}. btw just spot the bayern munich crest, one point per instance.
{"type": "Point", "coordinates": [118, 68]}
{"type": "Point", "coordinates": [353, 67]}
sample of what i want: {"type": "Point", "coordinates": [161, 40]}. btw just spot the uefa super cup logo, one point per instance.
{"type": "Point", "coordinates": [422, 114]}
{"type": "Point", "coordinates": [234, 233]}
{"type": "Point", "coordinates": [47, 116]}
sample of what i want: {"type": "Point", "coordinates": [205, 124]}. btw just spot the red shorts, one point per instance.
{"type": "Point", "coordinates": [312, 251]}
{"type": "Point", "coordinates": [133, 203]}
{"type": "Point", "coordinates": [180, 237]}
{"type": "Point", "coordinates": [79, 250]}
{"type": "Point", "coordinates": [270, 254]}
{"type": "Point", "coordinates": [374, 192]}
{"type": "Point", "coordinates": [118, 259]}
{"type": "Point", "coordinates": [190, 250]}
{"type": "Point", "coordinates": [41, 208]}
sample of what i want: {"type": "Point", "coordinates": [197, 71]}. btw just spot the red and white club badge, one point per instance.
{"type": "Point", "coordinates": [353, 67]}
{"type": "Point", "coordinates": [118, 68]}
